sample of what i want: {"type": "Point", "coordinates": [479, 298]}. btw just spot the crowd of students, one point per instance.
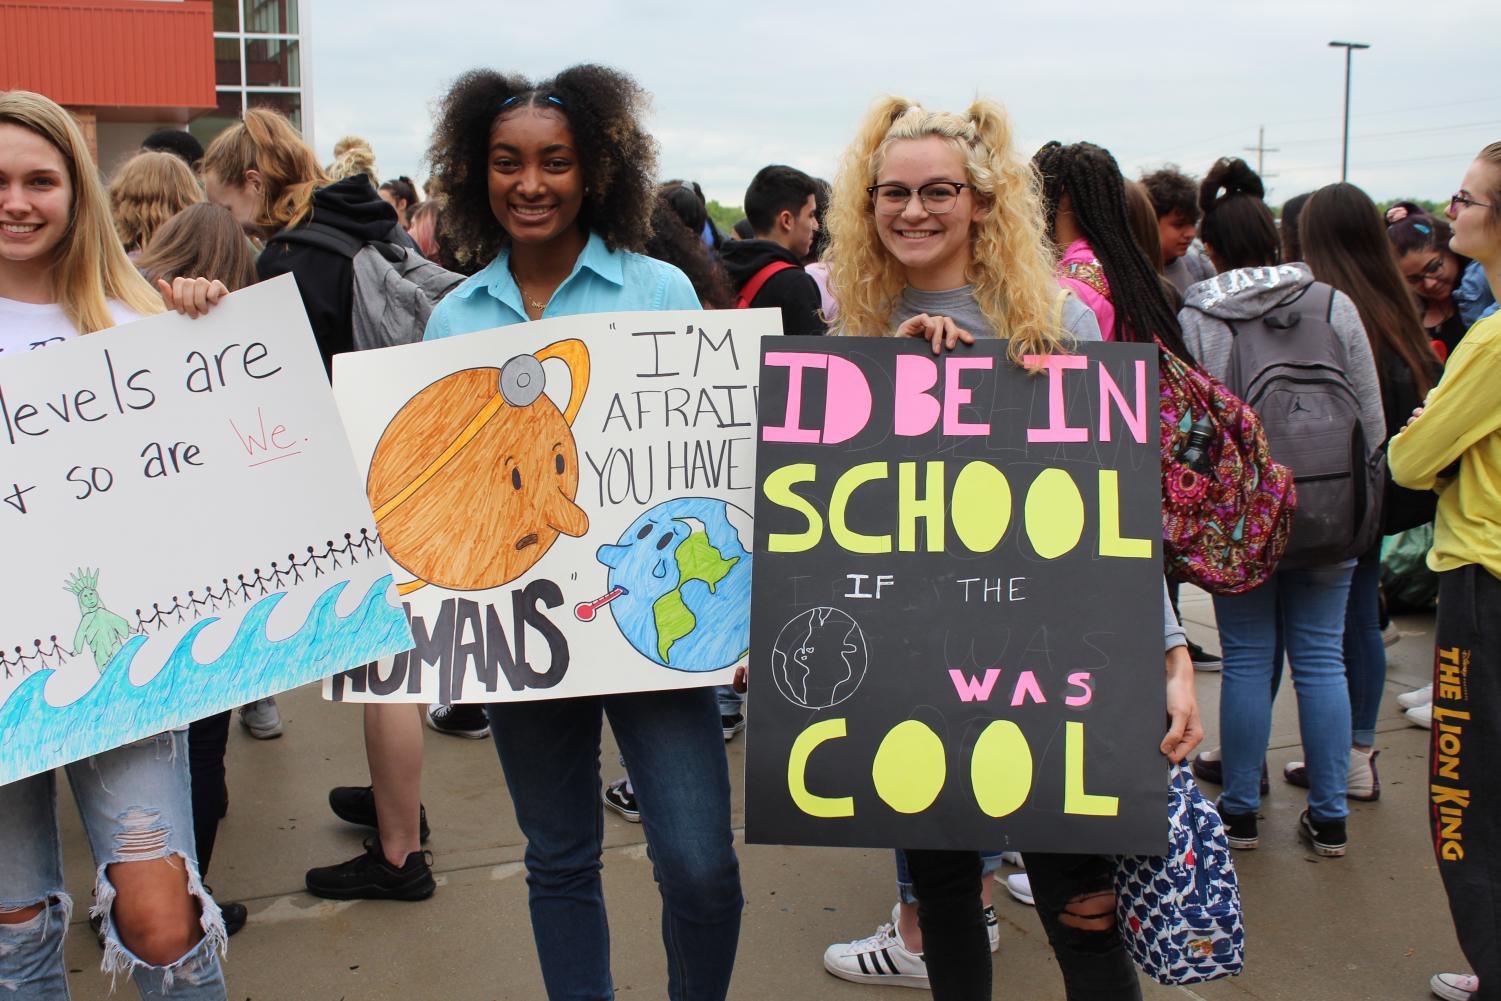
{"type": "Point", "coordinates": [545, 195]}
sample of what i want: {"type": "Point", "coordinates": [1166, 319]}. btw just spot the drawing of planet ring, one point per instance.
{"type": "Point", "coordinates": [522, 382]}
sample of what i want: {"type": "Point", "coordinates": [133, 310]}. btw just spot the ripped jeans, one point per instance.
{"type": "Point", "coordinates": [136, 806]}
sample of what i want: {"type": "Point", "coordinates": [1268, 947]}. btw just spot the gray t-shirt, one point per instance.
{"type": "Point", "coordinates": [960, 306]}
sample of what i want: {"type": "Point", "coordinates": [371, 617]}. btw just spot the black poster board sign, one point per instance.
{"type": "Point", "coordinates": [957, 610]}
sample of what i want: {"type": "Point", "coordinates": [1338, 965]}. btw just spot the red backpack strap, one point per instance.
{"type": "Point", "coordinates": [758, 281]}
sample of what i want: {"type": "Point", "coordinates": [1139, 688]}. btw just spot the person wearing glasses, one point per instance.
{"type": "Point", "coordinates": [1450, 290]}
{"type": "Point", "coordinates": [937, 231]}
{"type": "Point", "coordinates": [1453, 446]}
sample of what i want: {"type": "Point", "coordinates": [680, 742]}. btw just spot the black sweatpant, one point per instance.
{"type": "Point", "coordinates": [1094, 964]}
{"type": "Point", "coordinates": [1464, 808]}
{"type": "Point", "coordinates": [207, 740]}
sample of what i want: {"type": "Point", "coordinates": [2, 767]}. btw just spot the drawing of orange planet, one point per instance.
{"type": "Point", "coordinates": [475, 477]}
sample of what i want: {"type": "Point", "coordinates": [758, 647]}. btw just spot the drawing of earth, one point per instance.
{"type": "Point", "coordinates": [684, 573]}
{"type": "Point", "coordinates": [819, 658]}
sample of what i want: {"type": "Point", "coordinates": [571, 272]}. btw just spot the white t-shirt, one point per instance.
{"type": "Point", "coordinates": [26, 326]}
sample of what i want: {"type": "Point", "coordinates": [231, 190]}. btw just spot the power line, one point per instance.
{"type": "Point", "coordinates": [1400, 132]}
{"type": "Point", "coordinates": [1261, 149]}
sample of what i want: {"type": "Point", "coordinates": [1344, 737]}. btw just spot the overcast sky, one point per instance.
{"type": "Point", "coordinates": [737, 86]}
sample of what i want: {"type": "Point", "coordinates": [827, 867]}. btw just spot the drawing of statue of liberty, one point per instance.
{"type": "Point", "coordinates": [101, 630]}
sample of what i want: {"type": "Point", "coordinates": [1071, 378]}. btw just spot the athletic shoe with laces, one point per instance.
{"type": "Point", "coordinates": [261, 718]}
{"type": "Point", "coordinates": [371, 877]}
{"type": "Point", "coordinates": [1207, 767]}
{"type": "Point", "coordinates": [1362, 784]}
{"type": "Point", "coordinates": [1327, 837]}
{"type": "Point", "coordinates": [622, 799]}
{"type": "Point", "coordinates": [1019, 885]}
{"type": "Point", "coordinates": [356, 805]}
{"type": "Point", "coordinates": [1454, 986]}
{"type": "Point", "coordinates": [1417, 697]}
{"type": "Point", "coordinates": [458, 721]}
{"type": "Point", "coordinates": [1240, 828]}
{"type": "Point", "coordinates": [993, 928]}
{"type": "Point", "coordinates": [1202, 659]}
{"type": "Point", "coordinates": [1421, 715]}
{"type": "Point", "coordinates": [731, 725]}
{"type": "Point", "coordinates": [879, 959]}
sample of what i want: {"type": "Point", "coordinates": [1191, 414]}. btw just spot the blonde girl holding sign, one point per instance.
{"type": "Point", "coordinates": [63, 273]}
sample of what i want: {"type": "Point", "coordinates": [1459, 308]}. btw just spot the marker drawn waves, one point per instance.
{"type": "Point", "coordinates": [35, 736]}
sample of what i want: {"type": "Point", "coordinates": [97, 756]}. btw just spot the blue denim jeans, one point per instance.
{"type": "Point", "coordinates": [1311, 606]}
{"type": "Point", "coordinates": [730, 701]}
{"type": "Point", "coordinates": [136, 806]}
{"type": "Point", "coordinates": [673, 741]}
{"type": "Point", "coordinates": [1365, 653]}
{"type": "Point", "coordinates": [989, 863]}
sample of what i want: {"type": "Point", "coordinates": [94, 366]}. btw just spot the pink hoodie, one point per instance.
{"type": "Point", "coordinates": [1080, 272]}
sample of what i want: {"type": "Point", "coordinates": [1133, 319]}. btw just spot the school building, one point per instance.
{"type": "Point", "coordinates": [128, 67]}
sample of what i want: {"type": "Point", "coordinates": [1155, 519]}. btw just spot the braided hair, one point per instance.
{"type": "Point", "coordinates": [1088, 174]}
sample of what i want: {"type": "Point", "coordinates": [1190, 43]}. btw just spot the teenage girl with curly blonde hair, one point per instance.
{"type": "Point", "coordinates": [937, 231]}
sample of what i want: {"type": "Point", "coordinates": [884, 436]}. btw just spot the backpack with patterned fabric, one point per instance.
{"type": "Point", "coordinates": [1179, 914]}
{"type": "Point", "coordinates": [1223, 530]}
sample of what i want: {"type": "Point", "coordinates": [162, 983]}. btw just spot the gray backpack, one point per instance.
{"type": "Point", "coordinates": [395, 288]}
{"type": "Point", "coordinates": [1290, 367]}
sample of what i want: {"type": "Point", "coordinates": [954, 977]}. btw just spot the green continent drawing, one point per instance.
{"type": "Point", "coordinates": [101, 630]}
{"type": "Point", "coordinates": [697, 560]}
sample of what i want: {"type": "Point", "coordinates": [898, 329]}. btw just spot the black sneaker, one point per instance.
{"type": "Point", "coordinates": [1202, 659]}
{"type": "Point", "coordinates": [1207, 767]}
{"type": "Point", "coordinates": [356, 805]}
{"type": "Point", "coordinates": [622, 800]}
{"type": "Point", "coordinates": [1240, 828]}
{"type": "Point", "coordinates": [1326, 836]}
{"type": "Point", "coordinates": [459, 721]}
{"type": "Point", "coordinates": [732, 725]}
{"type": "Point", "coordinates": [235, 913]}
{"type": "Point", "coordinates": [371, 877]}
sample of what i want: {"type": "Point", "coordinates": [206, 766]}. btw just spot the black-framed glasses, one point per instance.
{"type": "Point", "coordinates": [1429, 270]}
{"type": "Point", "coordinates": [937, 197]}
{"type": "Point", "coordinates": [1462, 199]}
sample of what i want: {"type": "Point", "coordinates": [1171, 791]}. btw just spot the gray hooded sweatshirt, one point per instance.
{"type": "Point", "coordinates": [1247, 293]}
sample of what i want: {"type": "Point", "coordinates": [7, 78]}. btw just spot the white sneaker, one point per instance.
{"type": "Point", "coordinates": [1421, 716]}
{"type": "Point", "coordinates": [1416, 697]}
{"type": "Point", "coordinates": [1019, 885]}
{"type": "Point", "coordinates": [261, 719]}
{"type": "Point", "coordinates": [1454, 986]}
{"type": "Point", "coordinates": [879, 959]}
{"type": "Point", "coordinates": [1391, 635]}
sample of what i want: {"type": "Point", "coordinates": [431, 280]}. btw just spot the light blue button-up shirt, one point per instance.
{"type": "Point", "coordinates": [602, 281]}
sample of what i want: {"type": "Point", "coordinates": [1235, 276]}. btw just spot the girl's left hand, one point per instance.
{"type": "Point", "coordinates": [1185, 729]}
{"type": "Point", "coordinates": [192, 297]}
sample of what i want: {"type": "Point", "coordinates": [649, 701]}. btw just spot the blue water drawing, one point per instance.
{"type": "Point", "coordinates": [35, 736]}
{"type": "Point", "coordinates": [680, 581]}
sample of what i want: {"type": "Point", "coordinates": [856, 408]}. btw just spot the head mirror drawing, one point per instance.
{"type": "Point", "coordinates": [475, 477]}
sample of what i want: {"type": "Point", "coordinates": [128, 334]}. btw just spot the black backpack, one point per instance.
{"type": "Point", "coordinates": [1290, 366]}
{"type": "Point", "coordinates": [395, 288]}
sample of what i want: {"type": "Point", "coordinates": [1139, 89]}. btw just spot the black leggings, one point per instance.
{"type": "Point", "coordinates": [1094, 964]}
{"type": "Point", "coordinates": [207, 740]}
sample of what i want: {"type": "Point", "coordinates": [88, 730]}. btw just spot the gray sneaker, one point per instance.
{"type": "Point", "coordinates": [261, 719]}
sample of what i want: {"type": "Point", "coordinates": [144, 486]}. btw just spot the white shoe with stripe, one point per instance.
{"type": "Point", "coordinates": [882, 959]}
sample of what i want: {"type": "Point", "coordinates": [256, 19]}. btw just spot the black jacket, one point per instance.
{"type": "Point", "coordinates": [326, 279]}
{"type": "Point", "coordinates": [791, 290]}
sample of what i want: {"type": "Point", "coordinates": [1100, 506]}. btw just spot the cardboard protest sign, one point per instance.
{"type": "Point", "coordinates": [957, 615]}
{"type": "Point", "coordinates": [183, 527]}
{"type": "Point", "coordinates": [568, 502]}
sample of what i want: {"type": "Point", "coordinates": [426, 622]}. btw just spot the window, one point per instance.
{"type": "Point", "coordinates": [271, 17]}
{"type": "Point", "coordinates": [288, 104]}
{"type": "Point", "coordinates": [271, 62]}
{"type": "Point", "coordinates": [227, 61]}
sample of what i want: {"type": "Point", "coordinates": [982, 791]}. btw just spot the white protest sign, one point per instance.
{"type": "Point", "coordinates": [183, 527]}
{"type": "Point", "coordinates": [568, 503]}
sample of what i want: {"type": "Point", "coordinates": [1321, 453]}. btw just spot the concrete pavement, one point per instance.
{"type": "Point", "coordinates": [1373, 925]}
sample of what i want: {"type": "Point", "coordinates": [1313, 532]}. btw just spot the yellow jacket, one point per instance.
{"type": "Point", "coordinates": [1461, 422]}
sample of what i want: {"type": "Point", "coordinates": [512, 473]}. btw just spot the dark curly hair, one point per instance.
{"type": "Point", "coordinates": [674, 242]}
{"type": "Point", "coordinates": [618, 158]}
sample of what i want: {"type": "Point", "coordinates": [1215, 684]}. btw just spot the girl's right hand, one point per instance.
{"type": "Point", "coordinates": [940, 330]}
{"type": "Point", "coordinates": [1418, 412]}
{"type": "Point", "coordinates": [192, 297]}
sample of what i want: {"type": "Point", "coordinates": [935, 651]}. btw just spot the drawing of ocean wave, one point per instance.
{"type": "Point", "coordinates": [35, 736]}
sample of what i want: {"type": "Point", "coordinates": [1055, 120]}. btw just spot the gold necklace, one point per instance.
{"type": "Point", "coordinates": [532, 303]}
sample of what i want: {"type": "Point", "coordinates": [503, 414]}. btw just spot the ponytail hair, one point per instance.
{"type": "Point", "coordinates": [264, 141]}
{"type": "Point", "coordinates": [403, 188]}
{"type": "Point", "coordinates": [1012, 261]}
{"type": "Point", "coordinates": [356, 161]}
{"type": "Point", "coordinates": [1237, 223]}
{"type": "Point", "coordinates": [89, 266]}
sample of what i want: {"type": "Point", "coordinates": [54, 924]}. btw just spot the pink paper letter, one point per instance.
{"type": "Point", "coordinates": [1135, 418]}
{"type": "Point", "coordinates": [916, 409]}
{"type": "Point", "coordinates": [1057, 429]}
{"type": "Point", "coordinates": [955, 396]}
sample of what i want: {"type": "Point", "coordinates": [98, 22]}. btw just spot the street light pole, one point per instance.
{"type": "Point", "coordinates": [1344, 158]}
